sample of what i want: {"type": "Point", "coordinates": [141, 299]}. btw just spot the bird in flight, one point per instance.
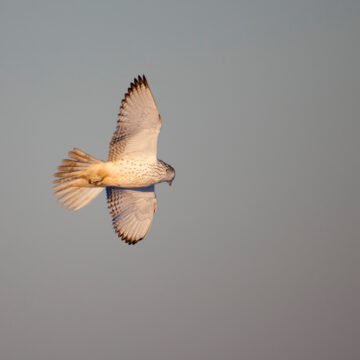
{"type": "Point", "coordinates": [130, 173]}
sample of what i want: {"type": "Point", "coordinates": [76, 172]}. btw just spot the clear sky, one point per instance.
{"type": "Point", "coordinates": [254, 250]}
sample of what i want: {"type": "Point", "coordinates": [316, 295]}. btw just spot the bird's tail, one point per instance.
{"type": "Point", "coordinates": [72, 186]}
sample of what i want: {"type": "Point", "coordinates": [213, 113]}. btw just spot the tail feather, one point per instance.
{"type": "Point", "coordinates": [65, 174]}
{"type": "Point", "coordinates": [82, 156]}
{"type": "Point", "coordinates": [79, 197]}
{"type": "Point", "coordinates": [71, 186]}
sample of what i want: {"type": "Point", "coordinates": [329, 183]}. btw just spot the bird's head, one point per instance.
{"type": "Point", "coordinates": [170, 174]}
{"type": "Point", "coordinates": [167, 172]}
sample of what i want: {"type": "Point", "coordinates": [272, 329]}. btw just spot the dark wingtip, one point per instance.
{"type": "Point", "coordinates": [145, 82]}
{"type": "Point", "coordinates": [130, 241]}
{"type": "Point", "coordinates": [126, 239]}
{"type": "Point", "coordinates": [140, 80]}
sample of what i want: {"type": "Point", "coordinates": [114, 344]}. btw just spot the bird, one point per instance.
{"type": "Point", "coordinates": [130, 173]}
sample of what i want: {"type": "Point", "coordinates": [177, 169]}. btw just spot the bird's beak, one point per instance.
{"type": "Point", "coordinates": [170, 182]}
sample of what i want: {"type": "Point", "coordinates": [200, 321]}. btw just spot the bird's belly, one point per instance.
{"type": "Point", "coordinates": [128, 174]}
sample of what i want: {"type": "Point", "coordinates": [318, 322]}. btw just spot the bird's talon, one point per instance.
{"type": "Point", "coordinates": [95, 181]}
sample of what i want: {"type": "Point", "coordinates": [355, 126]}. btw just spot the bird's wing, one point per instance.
{"type": "Point", "coordinates": [138, 124]}
{"type": "Point", "coordinates": [132, 211]}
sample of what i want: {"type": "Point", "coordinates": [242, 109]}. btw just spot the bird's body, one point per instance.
{"type": "Point", "coordinates": [125, 173]}
{"type": "Point", "coordinates": [129, 174]}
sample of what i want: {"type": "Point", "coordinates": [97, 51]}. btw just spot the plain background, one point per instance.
{"type": "Point", "coordinates": [254, 251]}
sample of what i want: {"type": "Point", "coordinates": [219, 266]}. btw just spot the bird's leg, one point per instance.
{"type": "Point", "coordinates": [97, 174]}
{"type": "Point", "coordinates": [95, 181]}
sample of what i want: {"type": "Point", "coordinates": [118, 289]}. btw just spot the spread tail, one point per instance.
{"type": "Point", "coordinates": [71, 186]}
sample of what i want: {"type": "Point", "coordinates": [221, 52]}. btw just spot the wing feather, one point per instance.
{"type": "Point", "coordinates": [138, 124]}
{"type": "Point", "coordinates": [132, 211]}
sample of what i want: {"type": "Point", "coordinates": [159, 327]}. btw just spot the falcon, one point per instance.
{"type": "Point", "coordinates": [130, 173]}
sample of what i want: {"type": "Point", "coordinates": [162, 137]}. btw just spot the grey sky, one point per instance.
{"type": "Point", "coordinates": [254, 250]}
